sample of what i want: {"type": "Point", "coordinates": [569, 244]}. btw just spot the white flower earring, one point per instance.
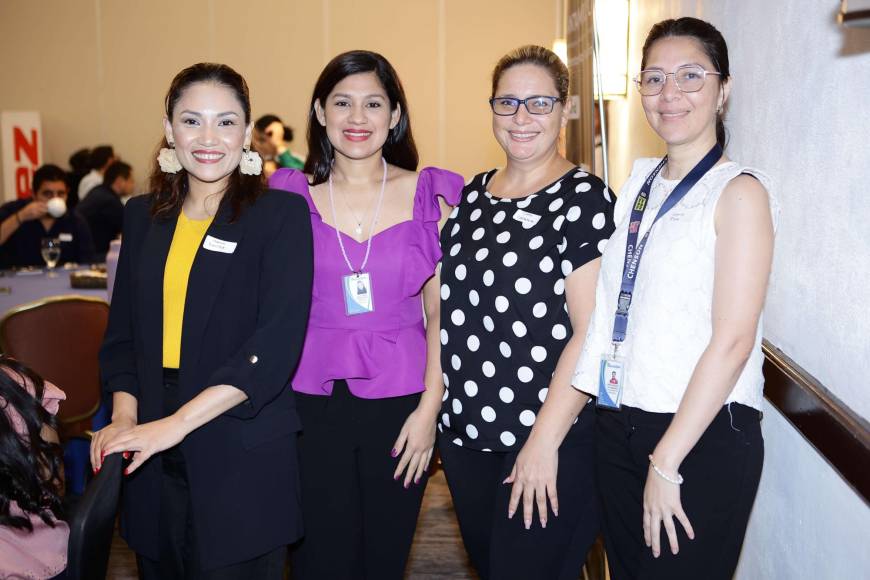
{"type": "Point", "coordinates": [168, 159]}
{"type": "Point", "coordinates": [251, 163]}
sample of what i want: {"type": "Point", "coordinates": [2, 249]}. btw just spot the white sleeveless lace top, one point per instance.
{"type": "Point", "coordinates": [670, 322]}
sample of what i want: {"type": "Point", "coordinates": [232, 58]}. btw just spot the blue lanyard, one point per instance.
{"type": "Point", "coordinates": [633, 249]}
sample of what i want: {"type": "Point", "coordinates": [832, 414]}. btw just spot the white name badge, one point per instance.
{"type": "Point", "coordinates": [610, 380]}
{"type": "Point", "coordinates": [65, 237]}
{"type": "Point", "coordinates": [216, 245]}
{"type": "Point", "coordinates": [526, 218]}
{"type": "Point", "coordinates": [358, 297]}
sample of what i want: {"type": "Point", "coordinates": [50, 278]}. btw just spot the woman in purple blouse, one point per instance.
{"type": "Point", "coordinates": [369, 383]}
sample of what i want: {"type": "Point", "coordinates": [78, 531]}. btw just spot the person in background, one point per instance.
{"type": "Point", "coordinates": [103, 209]}
{"type": "Point", "coordinates": [207, 321]}
{"type": "Point", "coordinates": [271, 139]}
{"type": "Point", "coordinates": [101, 157]}
{"type": "Point", "coordinates": [678, 319]}
{"type": "Point", "coordinates": [24, 223]}
{"type": "Point", "coordinates": [79, 163]}
{"type": "Point", "coordinates": [369, 383]}
{"type": "Point", "coordinates": [522, 254]}
{"type": "Point", "coordinates": [33, 533]}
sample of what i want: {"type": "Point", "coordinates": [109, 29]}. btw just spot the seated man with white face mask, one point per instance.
{"type": "Point", "coordinates": [24, 223]}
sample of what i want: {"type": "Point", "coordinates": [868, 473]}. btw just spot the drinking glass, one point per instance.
{"type": "Point", "coordinates": [51, 254]}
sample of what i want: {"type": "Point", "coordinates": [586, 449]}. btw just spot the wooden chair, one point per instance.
{"type": "Point", "coordinates": [59, 338]}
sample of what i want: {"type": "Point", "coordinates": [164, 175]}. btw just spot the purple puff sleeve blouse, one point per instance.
{"type": "Point", "coordinates": [381, 353]}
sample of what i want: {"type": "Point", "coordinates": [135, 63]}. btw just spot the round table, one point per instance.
{"type": "Point", "coordinates": [17, 288]}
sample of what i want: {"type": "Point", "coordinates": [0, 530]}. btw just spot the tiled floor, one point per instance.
{"type": "Point", "coordinates": [437, 552]}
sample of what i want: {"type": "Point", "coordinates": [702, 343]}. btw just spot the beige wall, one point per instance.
{"type": "Point", "coordinates": [97, 70]}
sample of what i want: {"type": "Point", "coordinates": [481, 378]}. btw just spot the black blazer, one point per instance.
{"type": "Point", "coordinates": [244, 325]}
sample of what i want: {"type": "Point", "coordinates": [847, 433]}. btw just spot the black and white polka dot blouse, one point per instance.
{"type": "Point", "coordinates": [504, 320]}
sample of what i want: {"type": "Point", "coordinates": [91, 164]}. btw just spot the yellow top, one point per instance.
{"type": "Point", "coordinates": [185, 242]}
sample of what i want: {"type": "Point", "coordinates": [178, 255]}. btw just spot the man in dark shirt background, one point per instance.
{"type": "Point", "coordinates": [102, 208]}
{"type": "Point", "coordinates": [24, 223]}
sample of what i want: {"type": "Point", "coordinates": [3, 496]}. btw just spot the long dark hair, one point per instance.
{"type": "Point", "coordinates": [712, 43]}
{"type": "Point", "coordinates": [399, 149]}
{"type": "Point", "coordinates": [170, 189]}
{"type": "Point", "coordinates": [30, 466]}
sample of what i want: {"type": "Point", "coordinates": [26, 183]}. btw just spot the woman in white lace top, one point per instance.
{"type": "Point", "coordinates": [673, 350]}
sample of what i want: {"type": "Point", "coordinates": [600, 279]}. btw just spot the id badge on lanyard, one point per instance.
{"type": "Point", "coordinates": [358, 297]}
{"type": "Point", "coordinates": [610, 381]}
{"type": "Point", "coordinates": [356, 288]}
{"type": "Point", "coordinates": [611, 376]}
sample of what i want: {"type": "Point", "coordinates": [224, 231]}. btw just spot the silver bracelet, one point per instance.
{"type": "Point", "coordinates": [668, 478]}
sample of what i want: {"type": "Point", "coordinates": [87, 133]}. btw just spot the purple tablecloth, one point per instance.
{"type": "Point", "coordinates": [17, 289]}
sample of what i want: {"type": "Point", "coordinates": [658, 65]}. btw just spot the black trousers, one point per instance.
{"type": "Point", "coordinates": [359, 521]}
{"type": "Point", "coordinates": [179, 558]}
{"type": "Point", "coordinates": [501, 548]}
{"type": "Point", "coordinates": [721, 478]}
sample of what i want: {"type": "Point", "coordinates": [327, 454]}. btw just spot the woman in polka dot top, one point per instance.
{"type": "Point", "coordinates": [521, 258]}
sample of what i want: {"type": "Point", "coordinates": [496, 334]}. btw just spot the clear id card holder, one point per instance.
{"type": "Point", "coordinates": [357, 288]}
{"type": "Point", "coordinates": [610, 381]}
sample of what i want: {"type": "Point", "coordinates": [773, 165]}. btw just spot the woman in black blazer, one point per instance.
{"type": "Point", "coordinates": [217, 271]}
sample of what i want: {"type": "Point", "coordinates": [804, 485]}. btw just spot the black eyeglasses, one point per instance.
{"type": "Point", "coordinates": [535, 105]}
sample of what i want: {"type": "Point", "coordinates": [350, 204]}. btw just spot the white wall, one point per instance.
{"type": "Point", "coordinates": [800, 111]}
{"type": "Point", "coordinates": [807, 523]}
